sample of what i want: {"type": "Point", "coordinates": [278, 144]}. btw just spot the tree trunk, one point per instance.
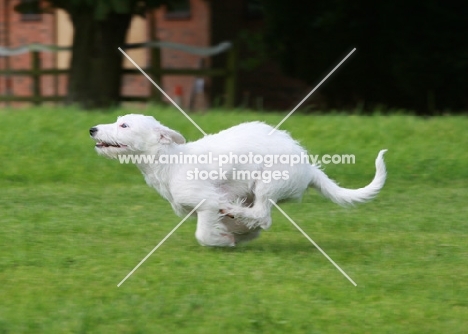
{"type": "Point", "coordinates": [95, 71]}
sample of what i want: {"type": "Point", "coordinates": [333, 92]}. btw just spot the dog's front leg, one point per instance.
{"type": "Point", "coordinates": [210, 232]}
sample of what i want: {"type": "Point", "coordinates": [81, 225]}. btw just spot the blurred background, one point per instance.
{"type": "Point", "coordinates": [264, 55]}
{"type": "Point", "coordinates": [74, 224]}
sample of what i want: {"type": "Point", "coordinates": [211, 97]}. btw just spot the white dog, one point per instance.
{"type": "Point", "coordinates": [235, 208]}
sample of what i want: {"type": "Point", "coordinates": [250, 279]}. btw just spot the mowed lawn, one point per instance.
{"type": "Point", "coordinates": [74, 224]}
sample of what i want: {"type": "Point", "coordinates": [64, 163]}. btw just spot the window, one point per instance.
{"type": "Point", "coordinates": [30, 10]}
{"type": "Point", "coordinates": [178, 9]}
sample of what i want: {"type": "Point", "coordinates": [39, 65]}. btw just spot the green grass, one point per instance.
{"type": "Point", "coordinates": [73, 225]}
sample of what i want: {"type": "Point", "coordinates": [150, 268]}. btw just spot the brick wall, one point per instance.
{"type": "Point", "coordinates": [192, 30]}
{"type": "Point", "coordinates": [21, 32]}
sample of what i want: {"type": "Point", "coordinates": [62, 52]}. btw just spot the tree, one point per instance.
{"type": "Point", "coordinates": [100, 27]}
{"type": "Point", "coordinates": [410, 54]}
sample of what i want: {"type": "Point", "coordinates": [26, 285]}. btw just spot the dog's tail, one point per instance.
{"type": "Point", "coordinates": [343, 196]}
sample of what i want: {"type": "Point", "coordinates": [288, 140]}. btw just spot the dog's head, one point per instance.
{"type": "Point", "coordinates": [132, 134]}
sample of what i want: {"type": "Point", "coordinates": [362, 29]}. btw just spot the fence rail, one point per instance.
{"type": "Point", "coordinates": [155, 71]}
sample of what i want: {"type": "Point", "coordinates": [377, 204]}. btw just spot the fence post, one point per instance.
{"type": "Point", "coordinates": [231, 77]}
{"type": "Point", "coordinates": [156, 74]}
{"type": "Point", "coordinates": [36, 77]}
{"type": "Point", "coordinates": [155, 54]}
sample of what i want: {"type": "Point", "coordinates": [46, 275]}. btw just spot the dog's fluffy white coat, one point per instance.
{"type": "Point", "coordinates": [234, 210]}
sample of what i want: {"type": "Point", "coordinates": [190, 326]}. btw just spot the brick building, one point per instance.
{"type": "Point", "coordinates": [191, 22]}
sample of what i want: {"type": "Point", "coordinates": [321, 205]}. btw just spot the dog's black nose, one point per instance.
{"type": "Point", "coordinates": [92, 131]}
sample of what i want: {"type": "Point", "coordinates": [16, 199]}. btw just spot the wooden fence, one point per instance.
{"type": "Point", "coordinates": [229, 72]}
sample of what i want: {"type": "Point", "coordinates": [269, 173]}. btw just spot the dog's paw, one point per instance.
{"type": "Point", "coordinates": [235, 211]}
{"type": "Point", "coordinates": [215, 238]}
{"type": "Point", "coordinates": [230, 240]}
{"type": "Point", "coordinates": [254, 223]}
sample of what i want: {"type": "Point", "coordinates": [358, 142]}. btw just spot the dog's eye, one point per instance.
{"type": "Point", "coordinates": [124, 125]}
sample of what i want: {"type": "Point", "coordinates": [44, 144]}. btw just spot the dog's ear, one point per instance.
{"type": "Point", "coordinates": [168, 136]}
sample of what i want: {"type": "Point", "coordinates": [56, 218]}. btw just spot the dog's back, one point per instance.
{"type": "Point", "coordinates": [252, 137]}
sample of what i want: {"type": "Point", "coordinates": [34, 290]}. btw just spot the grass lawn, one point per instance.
{"type": "Point", "coordinates": [74, 224]}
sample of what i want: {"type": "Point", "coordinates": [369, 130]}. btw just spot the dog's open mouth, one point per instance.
{"type": "Point", "coordinates": [104, 144]}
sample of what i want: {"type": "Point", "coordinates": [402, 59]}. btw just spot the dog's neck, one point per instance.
{"type": "Point", "coordinates": [157, 174]}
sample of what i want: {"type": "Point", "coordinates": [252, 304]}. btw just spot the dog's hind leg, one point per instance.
{"type": "Point", "coordinates": [247, 236]}
{"type": "Point", "coordinates": [256, 215]}
{"type": "Point", "coordinates": [211, 232]}
{"type": "Point", "coordinates": [239, 230]}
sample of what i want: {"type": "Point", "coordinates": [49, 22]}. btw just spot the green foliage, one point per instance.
{"type": "Point", "coordinates": [75, 224]}
{"type": "Point", "coordinates": [255, 49]}
{"type": "Point", "coordinates": [409, 54]}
